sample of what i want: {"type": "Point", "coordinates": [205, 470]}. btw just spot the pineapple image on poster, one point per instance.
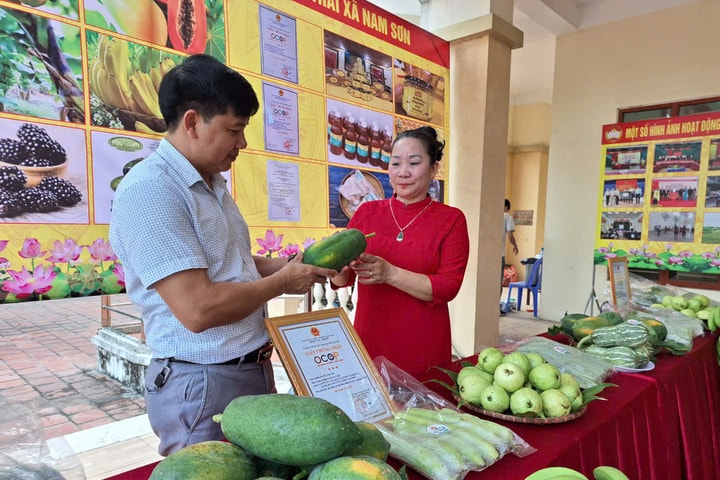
{"type": "Point", "coordinates": [40, 67]}
{"type": "Point", "coordinates": [188, 26]}
{"type": "Point", "coordinates": [43, 174]}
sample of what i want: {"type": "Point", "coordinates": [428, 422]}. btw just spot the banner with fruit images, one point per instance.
{"type": "Point", "coordinates": [659, 199]}
{"type": "Point", "coordinates": [79, 108]}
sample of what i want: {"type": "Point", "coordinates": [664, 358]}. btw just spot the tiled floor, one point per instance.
{"type": "Point", "coordinates": [48, 375]}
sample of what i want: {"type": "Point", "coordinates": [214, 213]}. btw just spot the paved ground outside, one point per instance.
{"type": "Point", "coordinates": [48, 367]}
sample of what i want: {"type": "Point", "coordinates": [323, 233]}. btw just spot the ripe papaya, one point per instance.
{"type": "Point", "coordinates": [655, 325]}
{"type": "Point", "coordinates": [289, 429]}
{"type": "Point", "coordinates": [187, 25]}
{"type": "Point", "coordinates": [586, 326]}
{"type": "Point", "coordinates": [211, 460]}
{"type": "Point", "coordinates": [337, 250]}
{"type": "Point", "coordinates": [354, 468]}
{"type": "Point", "coordinates": [569, 320]}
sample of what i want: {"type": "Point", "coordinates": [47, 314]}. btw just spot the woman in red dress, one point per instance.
{"type": "Point", "coordinates": [413, 266]}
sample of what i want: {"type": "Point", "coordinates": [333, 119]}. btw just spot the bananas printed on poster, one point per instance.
{"type": "Point", "coordinates": [606, 472]}
{"type": "Point", "coordinates": [119, 83]}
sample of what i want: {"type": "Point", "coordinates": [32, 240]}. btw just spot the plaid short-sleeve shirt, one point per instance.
{"type": "Point", "coordinates": [166, 219]}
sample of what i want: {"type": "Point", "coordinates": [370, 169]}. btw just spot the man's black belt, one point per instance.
{"type": "Point", "coordinates": [260, 355]}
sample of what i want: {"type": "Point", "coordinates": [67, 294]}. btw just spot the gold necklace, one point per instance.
{"type": "Point", "coordinates": [401, 235]}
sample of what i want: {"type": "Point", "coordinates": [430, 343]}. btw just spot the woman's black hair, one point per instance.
{"type": "Point", "coordinates": [429, 138]}
{"type": "Point", "coordinates": [208, 86]}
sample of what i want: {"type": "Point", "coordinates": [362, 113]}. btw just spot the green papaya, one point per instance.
{"type": "Point", "coordinates": [374, 443]}
{"type": "Point", "coordinates": [209, 460]}
{"type": "Point", "coordinates": [354, 468]}
{"type": "Point", "coordinates": [267, 469]}
{"type": "Point", "coordinates": [612, 318]}
{"type": "Point", "coordinates": [337, 250]}
{"type": "Point", "coordinates": [289, 429]}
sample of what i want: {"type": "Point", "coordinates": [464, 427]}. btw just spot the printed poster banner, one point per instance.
{"type": "Point", "coordinates": [659, 198]}
{"type": "Point", "coordinates": [79, 108]}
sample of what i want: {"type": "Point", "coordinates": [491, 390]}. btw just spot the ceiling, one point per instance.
{"type": "Point", "coordinates": [542, 21]}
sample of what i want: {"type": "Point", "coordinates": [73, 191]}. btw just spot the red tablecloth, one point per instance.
{"type": "Point", "coordinates": [658, 425]}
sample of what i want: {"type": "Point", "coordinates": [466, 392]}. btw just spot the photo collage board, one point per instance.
{"type": "Point", "coordinates": [659, 198]}
{"type": "Point", "coordinates": [79, 108]}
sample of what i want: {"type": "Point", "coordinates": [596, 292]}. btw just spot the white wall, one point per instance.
{"type": "Point", "coordinates": [655, 58]}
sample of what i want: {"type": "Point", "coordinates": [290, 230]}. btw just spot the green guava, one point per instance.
{"type": "Point", "coordinates": [695, 304]}
{"type": "Point", "coordinates": [570, 391]}
{"type": "Point", "coordinates": [471, 387]}
{"type": "Point", "coordinates": [509, 376]}
{"type": "Point", "coordinates": [545, 377]}
{"type": "Point", "coordinates": [535, 359]}
{"type": "Point", "coordinates": [679, 303]}
{"type": "Point", "coordinates": [569, 379]}
{"type": "Point", "coordinates": [465, 371]}
{"type": "Point", "coordinates": [519, 359]}
{"type": "Point", "coordinates": [489, 359]}
{"type": "Point", "coordinates": [526, 402]}
{"type": "Point", "coordinates": [495, 399]}
{"type": "Point", "coordinates": [704, 300]}
{"type": "Point", "coordinates": [667, 301]}
{"type": "Point", "coordinates": [555, 403]}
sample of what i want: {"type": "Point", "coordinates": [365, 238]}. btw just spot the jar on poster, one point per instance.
{"type": "Point", "coordinates": [417, 100]}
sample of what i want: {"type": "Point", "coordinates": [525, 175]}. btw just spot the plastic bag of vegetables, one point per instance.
{"type": "Point", "coordinates": [587, 370]}
{"type": "Point", "coordinates": [435, 439]}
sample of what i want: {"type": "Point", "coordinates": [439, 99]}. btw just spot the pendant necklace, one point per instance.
{"type": "Point", "coordinates": [401, 235]}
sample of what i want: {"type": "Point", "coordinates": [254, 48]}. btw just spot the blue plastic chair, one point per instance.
{"type": "Point", "coordinates": [533, 285]}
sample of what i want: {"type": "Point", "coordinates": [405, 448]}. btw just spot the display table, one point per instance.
{"type": "Point", "coordinates": [659, 425]}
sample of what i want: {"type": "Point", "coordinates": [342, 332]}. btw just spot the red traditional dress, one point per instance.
{"type": "Point", "coordinates": [413, 334]}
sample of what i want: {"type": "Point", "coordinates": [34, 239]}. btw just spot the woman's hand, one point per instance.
{"type": "Point", "coordinates": [372, 270]}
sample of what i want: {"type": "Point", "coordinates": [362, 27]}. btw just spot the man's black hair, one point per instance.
{"type": "Point", "coordinates": [208, 86]}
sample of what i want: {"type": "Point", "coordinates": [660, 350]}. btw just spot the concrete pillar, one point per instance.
{"type": "Point", "coordinates": [480, 52]}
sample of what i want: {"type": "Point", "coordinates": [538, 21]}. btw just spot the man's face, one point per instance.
{"type": "Point", "coordinates": [219, 141]}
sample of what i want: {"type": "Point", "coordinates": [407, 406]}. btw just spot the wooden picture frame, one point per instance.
{"type": "Point", "coordinates": [324, 358]}
{"type": "Point", "coordinates": [619, 280]}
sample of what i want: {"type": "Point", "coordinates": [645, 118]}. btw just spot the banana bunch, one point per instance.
{"type": "Point", "coordinates": [115, 84]}
{"type": "Point", "coordinates": [603, 472]}
{"type": "Point", "coordinates": [556, 473]}
{"type": "Point", "coordinates": [713, 320]}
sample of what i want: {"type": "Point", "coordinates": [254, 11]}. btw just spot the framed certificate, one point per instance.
{"type": "Point", "coordinates": [619, 280]}
{"type": "Point", "coordinates": [324, 358]}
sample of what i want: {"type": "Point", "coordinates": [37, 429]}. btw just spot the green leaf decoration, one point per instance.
{"type": "Point", "coordinates": [590, 394]}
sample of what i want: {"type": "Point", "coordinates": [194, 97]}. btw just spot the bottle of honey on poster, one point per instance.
{"type": "Point", "coordinates": [336, 138]}
{"type": "Point", "coordinates": [386, 151]}
{"type": "Point", "coordinates": [348, 121]}
{"type": "Point", "coordinates": [363, 141]}
{"type": "Point", "coordinates": [333, 118]}
{"type": "Point", "coordinates": [350, 138]}
{"type": "Point", "coordinates": [375, 145]}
